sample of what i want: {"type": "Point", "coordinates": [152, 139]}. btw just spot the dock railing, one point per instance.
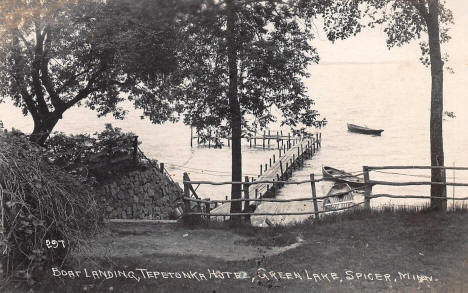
{"type": "Point", "coordinates": [202, 207]}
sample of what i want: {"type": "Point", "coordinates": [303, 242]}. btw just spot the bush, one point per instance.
{"type": "Point", "coordinates": [41, 203]}
{"type": "Point", "coordinates": [80, 153]}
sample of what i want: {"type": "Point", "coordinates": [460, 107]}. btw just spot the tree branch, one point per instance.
{"type": "Point", "coordinates": [54, 96]}
{"type": "Point", "coordinates": [83, 93]}
{"type": "Point", "coordinates": [42, 105]}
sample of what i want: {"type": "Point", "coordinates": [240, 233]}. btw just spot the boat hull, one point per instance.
{"type": "Point", "coordinates": [341, 176]}
{"type": "Point", "coordinates": [340, 200]}
{"type": "Point", "coordinates": [364, 130]}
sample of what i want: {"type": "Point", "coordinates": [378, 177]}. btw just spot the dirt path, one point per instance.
{"type": "Point", "coordinates": [133, 240]}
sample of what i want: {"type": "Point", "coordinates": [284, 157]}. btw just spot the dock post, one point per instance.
{"type": "Point", "coordinates": [284, 149]}
{"type": "Point", "coordinates": [274, 158]}
{"type": "Point", "coordinates": [289, 139]}
{"type": "Point", "coordinates": [256, 193]}
{"type": "Point", "coordinates": [287, 171]}
{"type": "Point", "coordinates": [266, 167]}
{"type": "Point", "coordinates": [261, 170]}
{"type": "Point", "coordinates": [270, 162]}
{"type": "Point", "coordinates": [250, 142]}
{"type": "Point", "coordinates": [279, 149]}
{"type": "Point", "coordinates": [246, 193]}
{"type": "Point", "coordinates": [263, 138]}
{"type": "Point", "coordinates": [368, 187]}
{"type": "Point", "coordinates": [281, 170]}
{"type": "Point", "coordinates": [314, 195]}
{"type": "Point", "coordinates": [269, 134]}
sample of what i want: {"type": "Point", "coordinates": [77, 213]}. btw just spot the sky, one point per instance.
{"type": "Point", "coordinates": [369, 46]}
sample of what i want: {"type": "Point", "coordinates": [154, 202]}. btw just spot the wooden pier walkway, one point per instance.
{"type": "Point", "coordinates": [268, 140]}
{"type": "Point", "coordinates": [279, 170]}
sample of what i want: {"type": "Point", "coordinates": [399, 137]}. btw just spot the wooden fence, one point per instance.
{"type": "Point", "coordinates": [196, 207]}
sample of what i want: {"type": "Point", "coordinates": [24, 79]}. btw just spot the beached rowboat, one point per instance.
{"type": "Point", "coordinates": [363, 130]}
{"type": "Point", "coordinates": [340, 200]}
{"type": "Point", "coordinates": [341, 176]}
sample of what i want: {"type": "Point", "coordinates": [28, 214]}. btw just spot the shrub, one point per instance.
{"type": "Point", "coordinates": [41, 202]}
{"type": "Point", "coordinates": [81, 153]}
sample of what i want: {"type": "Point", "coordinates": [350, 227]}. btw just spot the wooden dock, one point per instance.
{"type": "Point", "coordinates": [276, 170]}
{"type": "Point", "coordinates": [267, 140]}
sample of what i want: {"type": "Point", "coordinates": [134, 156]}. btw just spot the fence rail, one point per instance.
{"type": "Point", "coordinates": [366, 188]}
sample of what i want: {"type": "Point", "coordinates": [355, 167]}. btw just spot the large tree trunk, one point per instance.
{"type": "Point", "coordinates": [437, 74]}
{"type": "Point", "coordinates": [43, 128]}
{"type": "Point", "coordinates": [234, 108]}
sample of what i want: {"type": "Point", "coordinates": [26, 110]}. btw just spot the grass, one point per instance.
{"type": "Point", "coordinates": [389, 241]}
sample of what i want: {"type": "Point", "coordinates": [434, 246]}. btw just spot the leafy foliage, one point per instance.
{"type": "Point", "coordinates": [273, 48]}
{"type": "Point", "coordinates": [56, 54]}
{"type": "Point", "coordinates": [77, 153]}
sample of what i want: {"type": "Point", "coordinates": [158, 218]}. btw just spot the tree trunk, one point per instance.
{"type": "Point", "coordinates": [234, 108]}
{"type": "Point", "coordinates": [42, 129]}
{"type": "Point", "coordinates": [436, 135]}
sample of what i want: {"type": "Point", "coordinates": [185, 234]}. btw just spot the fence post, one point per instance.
{"type": "Point", "coordinates": [314, 195]}
{"type": "Point", "coordinates": [246, 193]}
{"type": "Point", "coordinates": [368, 188]}
{"type": "Point", "coordinates": [186, 202]}
{"type": "Point", "coordinates": [208, 208]}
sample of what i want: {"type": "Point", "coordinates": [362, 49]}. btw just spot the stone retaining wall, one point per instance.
{"type": "Point", "coordinates": [145, 194]}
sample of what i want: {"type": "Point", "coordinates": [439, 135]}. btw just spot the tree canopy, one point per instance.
{"type": "Point", "coordinates": [56, 54]}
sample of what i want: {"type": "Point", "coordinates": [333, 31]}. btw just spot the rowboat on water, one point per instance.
{"type": "Point", "coordinates": [363, 130]}
{"type": "Point", "coordinates": [341, 176]}
{"type": "Point", "coordinates": [340, 196]}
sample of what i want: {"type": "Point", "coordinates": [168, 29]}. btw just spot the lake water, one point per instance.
{"type": "Point", "coordinates": [394, 97]}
